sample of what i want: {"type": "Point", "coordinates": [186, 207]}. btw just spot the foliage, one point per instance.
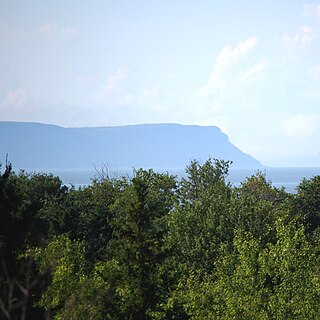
{"type": "Point", "coordinates": [76, 292]}
{"type": "Point", "coordinates": [279, 281]}
{"type": "Point", "coordinates": [22, 197]}
{"type": "Point", "coordinates": [139, 226]}
{"type": "Point", "coordinates": [151, 246]}
{"type": "Point", "coordinates": [308, 201]}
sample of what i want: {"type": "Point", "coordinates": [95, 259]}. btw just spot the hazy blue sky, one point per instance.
{"type": "Point", "coordinates": [251, 68]}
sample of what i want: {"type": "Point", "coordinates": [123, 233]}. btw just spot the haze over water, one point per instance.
{"type": "Point", "coordinates": [287, 177]}
{"type": "Point", "coordinates": [250, 68]}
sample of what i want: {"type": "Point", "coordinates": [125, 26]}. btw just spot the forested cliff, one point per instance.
{"type": "Point", "coordinates": [40, 146]}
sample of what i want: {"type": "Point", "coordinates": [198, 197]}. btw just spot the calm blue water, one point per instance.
{"type": "Point", "coordinates": [280, 176]}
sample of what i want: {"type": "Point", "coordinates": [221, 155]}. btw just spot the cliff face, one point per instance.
{"type": "Point", "coordinates": [159, 146]}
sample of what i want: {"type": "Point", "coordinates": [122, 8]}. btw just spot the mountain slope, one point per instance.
{"type": "Point", "coordinates": [42, 146]}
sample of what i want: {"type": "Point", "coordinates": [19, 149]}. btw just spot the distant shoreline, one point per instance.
{"type": "Point", "coordinates": [288, 177]}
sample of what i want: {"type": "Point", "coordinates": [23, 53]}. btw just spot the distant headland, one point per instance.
{"type": "Point", "coordinates": [159, 146]}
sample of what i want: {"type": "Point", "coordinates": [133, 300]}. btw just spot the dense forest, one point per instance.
{"type": "Point", "coordinates": [153, 246]}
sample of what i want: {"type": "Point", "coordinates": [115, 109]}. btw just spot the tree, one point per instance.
{"type": "Point", "coordinates": [197, 226]}
{"type": "Point", "coordinates": [201, 177]}
{"type": "Point", "coordinates": [257, 205]}
{"type": "Point", "coordinates": [83, 214]}
{"type": "Point", "coordinates": [21, 199]}
{"type": "Point", "coordinates": [76, 289]}
{"type": "Point", "coordinates": [136, 249]}
{"type": "Point", "coordinates": [308, 201]}
{"type": "Point", "coordinates": [259, 281]}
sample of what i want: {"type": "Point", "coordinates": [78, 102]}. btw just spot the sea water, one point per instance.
{"type": "Point", "coordinates": [287, 177]}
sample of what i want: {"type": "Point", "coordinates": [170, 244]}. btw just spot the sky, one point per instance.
{"type": "Point", "coordinates": [251, 68]}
